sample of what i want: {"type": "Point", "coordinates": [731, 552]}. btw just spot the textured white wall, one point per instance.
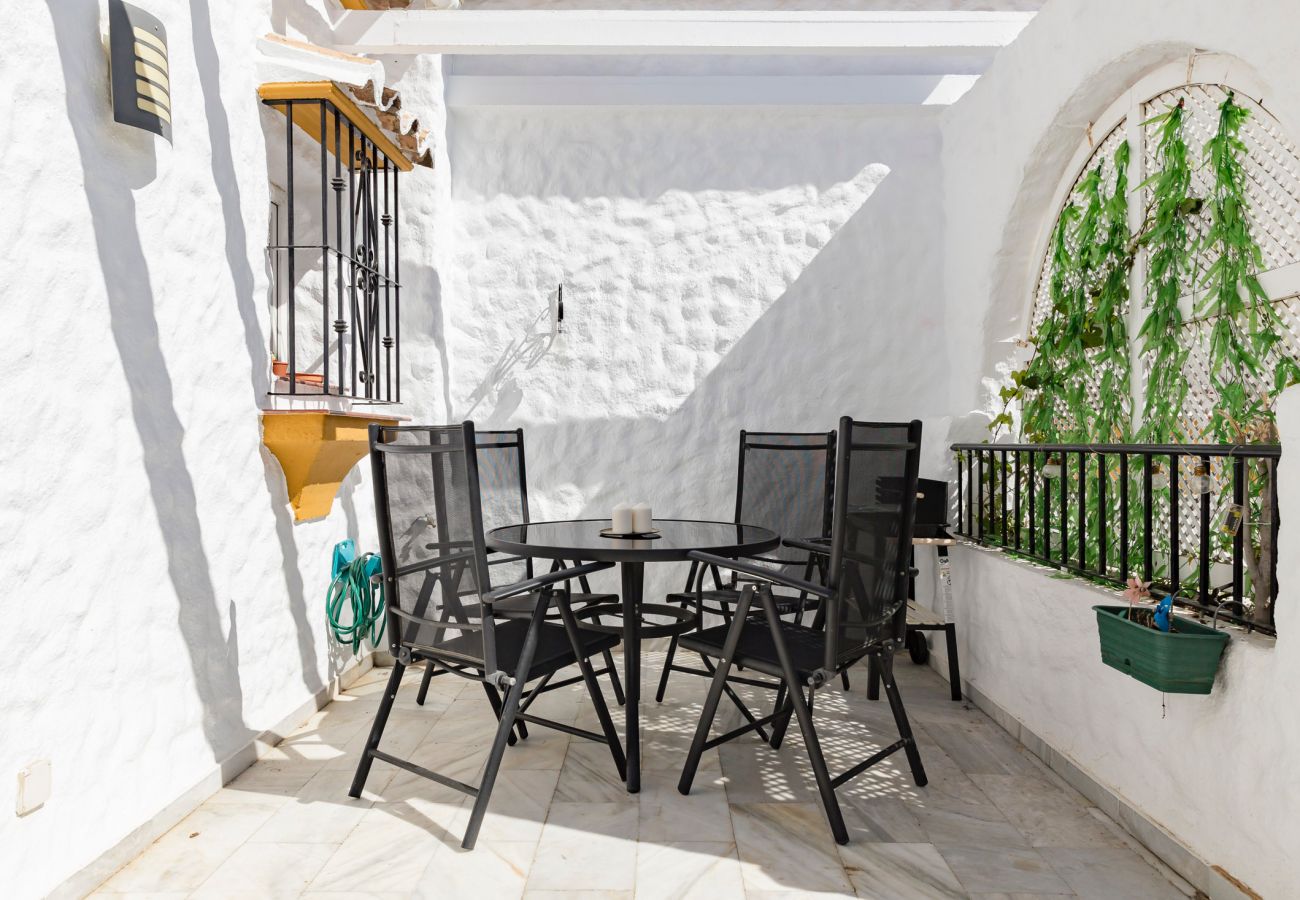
{"type": "Point", "coordinates": [1210, 773]}
{"type": "Point", "coordinates": [723, 268]}
{"type": "Point", "coordinates": [1018, 127]}
{"type": "Point", "coordinates": [1210, 770]}
{"type": "Point", "coordinates": [164, 609]}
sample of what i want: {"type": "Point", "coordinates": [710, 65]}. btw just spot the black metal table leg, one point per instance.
{"type": "Point", "coordinates": [633, 574]}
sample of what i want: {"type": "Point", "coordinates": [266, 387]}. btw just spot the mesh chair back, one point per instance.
{"type": "Point", "coordinates": [784, 484]}
{"type": "Point", "coordinates": [431, 540]}
{"type": "Point", "coordinates": [875, 506]}
{"type": "Point", "coordinates": [503, 489]}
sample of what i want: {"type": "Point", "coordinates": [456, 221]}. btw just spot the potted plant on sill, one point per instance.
{"type": "Point", "coordinates": [1170, 653]}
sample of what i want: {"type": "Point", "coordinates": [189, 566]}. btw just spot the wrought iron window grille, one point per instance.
{"type": "Point", "coordinates": [345, 339]}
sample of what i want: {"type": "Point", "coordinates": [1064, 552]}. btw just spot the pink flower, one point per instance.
{"type": "Point", "coordinates": [1137, 590]}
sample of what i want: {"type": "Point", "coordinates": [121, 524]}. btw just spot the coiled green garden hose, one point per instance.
{"type": "Point", "coordinates": [353, 589]}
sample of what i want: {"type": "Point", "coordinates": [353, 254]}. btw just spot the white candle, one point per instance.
{"type": "Point", "coordinates": [621, 520]}
{"type": "Point", "coordinates": [641, 518]}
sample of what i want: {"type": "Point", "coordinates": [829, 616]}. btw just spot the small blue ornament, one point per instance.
{"type": "Point", "coordinates": [1163, 610]}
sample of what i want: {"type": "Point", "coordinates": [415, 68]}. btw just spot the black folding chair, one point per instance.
{"type": "Point", "coordinates": [783, 482]}
{"type": "Point", "coordinates": [441, 604]}
{"type": "Point", "coordinates": [503, 493]}
{"type": "Point", "coordinates": [864, 596]}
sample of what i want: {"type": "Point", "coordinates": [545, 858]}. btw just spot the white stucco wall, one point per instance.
{"type": "Point", "coordinates": [164, 609]}
{"type": "Point", "coordinates": [1211, 773]}
{"type": "Point", "coordinates": [1210, 770]}
{"type": "Point", "coordinates": [724, 268]}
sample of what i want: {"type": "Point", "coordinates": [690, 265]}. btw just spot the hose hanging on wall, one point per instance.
{"type": "Point", "coordinates": [354, 588]}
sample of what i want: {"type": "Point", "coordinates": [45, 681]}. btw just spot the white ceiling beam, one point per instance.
{"type": "Point", "coordinates": [674, 32]}
{"type": "Point", "coordinates": [886, 92]}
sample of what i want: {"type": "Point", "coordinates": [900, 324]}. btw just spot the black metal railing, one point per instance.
{"type": "Point", "coordinates": [349, 233]}
{"type": "Point", "coordinates": [1198, 521]}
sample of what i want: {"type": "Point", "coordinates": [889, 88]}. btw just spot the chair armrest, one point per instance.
{"type": "Point", "coordinates": [541, 581]}
{"type": "Point", "coordinates": [749, 568]}
{"type": "Point", "coordinates": [814, 545]}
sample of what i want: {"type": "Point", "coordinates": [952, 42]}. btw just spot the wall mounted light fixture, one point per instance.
{"type": "Point", "coordinates": [559, 309]}
{"type": "Point", "coordinates": [137, 58]}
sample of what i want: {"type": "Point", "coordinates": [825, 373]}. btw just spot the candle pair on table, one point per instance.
{"type": "Point", "coordinates": [631, 519]}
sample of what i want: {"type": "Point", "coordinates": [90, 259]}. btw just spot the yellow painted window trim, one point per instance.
{"type": "Point", "coordinates": [332, 93]}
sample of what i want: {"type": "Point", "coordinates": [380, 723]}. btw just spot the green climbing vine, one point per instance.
{"type": "Point", "coordinates": [1168, 242]}
{"type": "Point", "coordinates": [1084, 329]}
{"type": "Point", "coordinates": [1075, 386]}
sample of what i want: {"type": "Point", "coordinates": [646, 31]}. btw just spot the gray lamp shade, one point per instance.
{"type": "Point", "coordinates": [137, 51]}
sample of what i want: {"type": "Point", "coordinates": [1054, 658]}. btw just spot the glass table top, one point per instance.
{"type": "Point", "coordinates": [581, 539]}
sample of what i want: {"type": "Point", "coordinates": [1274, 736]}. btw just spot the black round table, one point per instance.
{"type": "Point", "coordinates": [581, 539]}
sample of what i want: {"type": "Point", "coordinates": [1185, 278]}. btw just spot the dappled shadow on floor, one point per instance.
{"type": "Point", "coordinates": [992, 819]}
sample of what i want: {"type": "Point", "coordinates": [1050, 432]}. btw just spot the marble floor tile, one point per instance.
{"type": "Point", "coordinates": [1045, 814]}
{"type": "Point", "coordinates": [402, 734]}
{"type": "Point", "coordinates": [266, 870]}
{"type": "Point", "coordinates": [1003, 871]}
{"type": "Point", "coordinates": [981, 748]}
{"type": "Point", "coordinates": [589, 775]}
{"type": "Point", "coordinates": [517, 809]}
{"type": "Point", "coordinates": [544, 749]}
{"type": "Point", "coordinates": [493, 869]}
{"type": "Point", "coordinates": [188, 854]}
{"type": "Point", "coordinates": [587, 846]}
{"type": "Point", "coordinates": [956, 823]}
{"type": "Point", "coordinates": [787, 847]}
{"type": "Point", "coordinates": [883, 820]}
{"type": "Point", "coordinates": [899, 872]}
{"type": "Point", "coordinates": [667, 815]}
{"type": "Point", "coordinates": [688, 871]}
{"type": "Point", "coordinates": [1099, 873]}
{"type": "Point", "coordinates": [756, 773]}
{"type": "Point", "coordinates": [389, 850]}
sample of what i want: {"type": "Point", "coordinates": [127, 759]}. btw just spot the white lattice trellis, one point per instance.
{"type": "Point", "coordinates": [1272, 164]}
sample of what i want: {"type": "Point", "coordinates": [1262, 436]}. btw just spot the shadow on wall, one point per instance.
{"type": "Point", "coordinates": [859, 331]}
{"type": "Point", "coordinates": [108, 181]}
{"type": "Point", "coordinates": [226, 183]}
{"type": "Point", "coordinates": [422, 315]}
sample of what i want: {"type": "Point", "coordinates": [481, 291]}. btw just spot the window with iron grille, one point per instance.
{"type": "Point", "coordinates": [332, 250]}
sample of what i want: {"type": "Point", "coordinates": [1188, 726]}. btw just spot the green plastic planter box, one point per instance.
{"type": "Point", "coordinates": [1181, 662]}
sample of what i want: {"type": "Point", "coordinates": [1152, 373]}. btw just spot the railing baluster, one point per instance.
{"type": "Point", "coordinates": [1102, 477]}
{"type": "Point", "coordinates": [352, 248]}
{"type": "Point", "coordinates": [1002, 477]}
{"type": "Point", "coordinates": [1238, 539]}
{"type": "Point", "coordinates": [970, 494]}
{"type": "Point", "coordinates": [1065, 509]}
{"type": "Point", "coordinates": [981, 490]}
{"type": "Point", "coordinates": [1148, 517]}
{"type": "Point", "coordinates": [1047, 515]}
{"type": "Point", "coordinates": [1203, 586]}
{"type": "Point", "coordinates": [324, 256]}
{"type": "Point", "coordinates": [289, 198]}
{"type": "Point", "coordinates": [1017, 498]}
{"type": "Point", "coordinates": [1033, 544]}
{"type": "Point", "coordinates": [961, 499]}
{"type": "Point", "coordinates": [1083, 512]}
{"type": "Point", "coordinates": [1123, 516]}
{"type": "Point", "coordinates": [1173, 524]}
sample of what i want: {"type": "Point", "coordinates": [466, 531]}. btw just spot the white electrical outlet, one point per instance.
{"type": "Point", "coordinates": [34, 782]}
